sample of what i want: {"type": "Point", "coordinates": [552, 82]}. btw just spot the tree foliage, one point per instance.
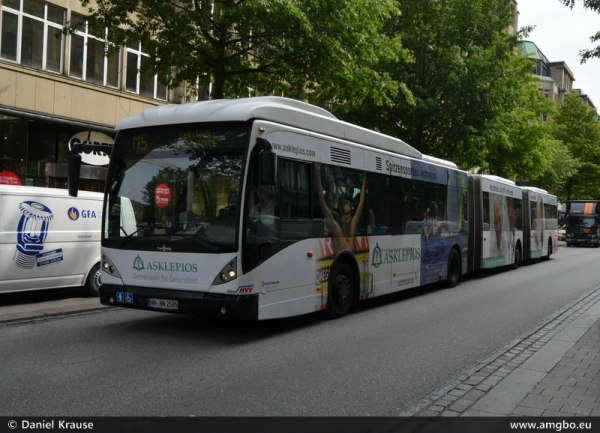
{"type": "Point", "coordinates": [595, 6]}
{"type": "Point", "coordinates": [475, 101]}
{"type": "Point", "coordinates": [299, 48]}
{"type": "Point", "coordinates": [575, 126]}
{"type": "Point", "coordinates": [520, 146]}
{"type": "Point", "coordinates": [445, 76]}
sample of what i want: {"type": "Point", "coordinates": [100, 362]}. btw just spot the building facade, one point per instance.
{"type": "Point", "coordinates": [57, 88]}
{"type": "Point", "coordinates": [555, 79]}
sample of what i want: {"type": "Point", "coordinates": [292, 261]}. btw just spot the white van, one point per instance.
{"type": "Point", "coordinates": [49, 239]}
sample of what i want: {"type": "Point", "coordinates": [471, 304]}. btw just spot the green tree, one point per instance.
{"type": "Point", "coordinates": [595, 6]}
{"type": "Point", "coordinates": [474, 98]}
{"type": "Point", "coordinates": [520, 146]}
{"type": "Point", "coordinates": [562, 167]}
{"type": "Point", "coordinates": [298, 48]}
{"type": "Point", "coordinates": [576, 126]}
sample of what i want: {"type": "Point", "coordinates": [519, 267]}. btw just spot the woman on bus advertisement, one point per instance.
{"type": "Point", "coordinates": [345, 230]}
{"type": "Point", "coordinates": [538, 225]}
{"type": "Point", "coordinates": [502, 234]}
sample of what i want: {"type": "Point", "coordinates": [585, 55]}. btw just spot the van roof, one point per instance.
{"type": "Point", "coordinates": [51, 192]}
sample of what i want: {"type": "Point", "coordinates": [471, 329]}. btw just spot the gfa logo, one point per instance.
{"type": "Point", "coordinates": [73, 213]}
{"type": "Point", "coordinates": [138, 264]}
{"type": "Point", "coordinates": [376, 256]}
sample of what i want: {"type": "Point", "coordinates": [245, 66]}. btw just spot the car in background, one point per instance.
{"type": "Point", "coordinates": [562, 231]}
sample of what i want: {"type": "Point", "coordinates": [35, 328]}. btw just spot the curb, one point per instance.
{"type": "Point", "coordinates": [42, 310]}
{"type": "Point", "coordinates": [459, 395]}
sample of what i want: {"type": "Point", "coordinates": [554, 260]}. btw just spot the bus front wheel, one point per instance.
{"type": "Point", "coordinates": [341, 291]}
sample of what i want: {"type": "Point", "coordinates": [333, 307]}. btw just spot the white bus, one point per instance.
{"type": "Point", "coordinates": [268, 207]}
{"type": "Point", "coordinates": [541, 220]}
{"type": "Point", "coordinates": [509, 223]}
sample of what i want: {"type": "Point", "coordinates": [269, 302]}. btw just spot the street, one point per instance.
{"type": "Point", "coordinates": [377, 361]}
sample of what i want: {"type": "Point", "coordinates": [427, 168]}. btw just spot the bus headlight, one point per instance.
{"type": "Point", "coordinates": [108, 267]}
{"type": "Point", "coordinates": [228, 273]}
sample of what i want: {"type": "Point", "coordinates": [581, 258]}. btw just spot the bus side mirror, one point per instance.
{"type": "Point", "coordinates": [268, 163]}
{"type": "Point", "coordinates": [74, 170]}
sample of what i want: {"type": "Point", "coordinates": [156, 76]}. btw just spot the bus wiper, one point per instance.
{"type": "Point", "coordinates": [196, 237]}
{"type": "Point", "coordinates": [138, 229]}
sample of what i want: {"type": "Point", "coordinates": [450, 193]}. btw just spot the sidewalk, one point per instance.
{"type": "Point", "coordinates": [552, 369]}
{"type": "Point", "coordinates": [41, 310]}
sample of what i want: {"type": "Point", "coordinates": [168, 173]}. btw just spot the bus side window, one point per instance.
{"type": "Point", "coordinates": [295, 208]}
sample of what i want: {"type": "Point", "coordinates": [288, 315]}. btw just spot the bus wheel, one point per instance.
{"type": "Point", "coordinates": [453, 269]}
{"type": "Point", "coordinates": [341, 291]}
{"type": "Point", "coordinates": [517, 262]}
{"type": "Point", "coordinates": [92, 284]}
{"type": "Point", "coordinates": [549, 250]}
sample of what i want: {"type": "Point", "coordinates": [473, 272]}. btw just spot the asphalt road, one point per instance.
{"type": "Point", "coordinates": [376, 361]}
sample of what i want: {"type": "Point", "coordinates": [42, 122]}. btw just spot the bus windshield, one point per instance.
{"type": "Point", "coordinates": [581, 221]}
{"type": "Point", "coordinates": [176, 188]}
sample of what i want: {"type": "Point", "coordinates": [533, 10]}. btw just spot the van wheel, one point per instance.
{"type": "Point", "coordinates": [517, 262]}
{"type": "Point", "coordinates": [341, 291]}
{"type": "Point", "coordinates": [453, 269]}
{"type": "Point", "coordinates": [92, 284]}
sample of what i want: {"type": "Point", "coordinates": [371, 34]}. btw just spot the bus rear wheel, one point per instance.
{"type": "Point", "coordinates": [517, 262]}
{"type": "Point", "coordinates": [453, 269]}
{"type": "Point", "coordinates": [544, 258]}
{"type": "Point", "coordinates": [341, 291]}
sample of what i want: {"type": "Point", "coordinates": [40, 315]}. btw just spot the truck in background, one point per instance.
{"type": "Point", "coordinates": [49, 239]}
{"type": "Point", "coordinates": [583, 222]}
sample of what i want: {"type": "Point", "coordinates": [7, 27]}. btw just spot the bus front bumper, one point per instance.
{"type": "Point", "coordinates": [183, 302]}
{"type": "Point", "coordinates": [583, 241]}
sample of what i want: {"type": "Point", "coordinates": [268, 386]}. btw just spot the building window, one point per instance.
{"type": "Point", "coordinates": [138, 81]}
{"type": "Point", "coordinates": [32, 34]}
{"type": "Point", "coordinates": [88, 59]}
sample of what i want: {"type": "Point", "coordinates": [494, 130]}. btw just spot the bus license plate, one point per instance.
{"type": "Point", "coordinates": [163, 304]}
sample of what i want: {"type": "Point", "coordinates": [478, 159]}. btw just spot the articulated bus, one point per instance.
{"type": "Point", "coordinates": [267, 207]}
{"type": "Point", "coordinates": [509, 223]}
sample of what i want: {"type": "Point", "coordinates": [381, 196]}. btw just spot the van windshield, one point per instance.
{"type": "Point", "coordinates": [176, 188]}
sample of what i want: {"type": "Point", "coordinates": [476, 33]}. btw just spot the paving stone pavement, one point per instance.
{"type": "Point", "coordinates": [573, 386]}
{"type": "Point", "coordinates": [553, 369]}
